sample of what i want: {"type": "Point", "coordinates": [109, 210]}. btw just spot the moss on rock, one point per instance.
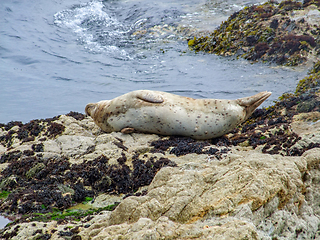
{"type": "Point", "coordinates": [311, 83]}
{"type": "Point", "coordinates": [272, 32]}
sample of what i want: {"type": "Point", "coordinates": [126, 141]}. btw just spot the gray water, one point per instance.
{"type": "Point", "coordinates": [56, 56]}
{"type": "Point", "coordinates": [3, 221]}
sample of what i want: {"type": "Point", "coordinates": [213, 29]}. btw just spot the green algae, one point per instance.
{"type": "Point", "coordinates": [4, 194]}
{"type": "Point", "coordinates": [74, 214]}
{"type": "Point", "coordinates": [34, 170]}
{"type": "Point", "coordinates": [263, 32]}
{"type": "Point", "coordinates": [311, 83]}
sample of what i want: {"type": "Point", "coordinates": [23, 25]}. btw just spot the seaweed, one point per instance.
{"type": "Point", "coordinates": [263, 32]}
{"type": "Point", "coordinates": [54, 129]}
{"type": "Point", "coordinates": [183, 145]}
{"type": "Point", "coordinates": [39, 185]}
{"type": "Point", "coordinates": [76, 115]}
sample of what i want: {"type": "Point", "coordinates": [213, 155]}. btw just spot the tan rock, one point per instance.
{"type": "Point", "coordinates": [245, 195]}
{"type": "Point", "coordinates": [164, 228]}
{"type": "Point", "coordinates": [312, 158]}
{"type": "Point", "coordinates": [72, 145]}
{"type": "Point", "coordinates": [312, 179]}
{"type": "Point", "coordinates": [189, 195]}
{"type": "Point", "coordinates": [2, 149]}
{"type": "Point", "coordinates": [306, 123]}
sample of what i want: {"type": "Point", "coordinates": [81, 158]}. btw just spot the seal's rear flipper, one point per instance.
{"type": "Point", "coordinates": [251, 103]}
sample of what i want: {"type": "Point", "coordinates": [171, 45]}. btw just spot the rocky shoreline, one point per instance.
{"type": "Point", "coordinates": [63, 178]}
{"type": "Point", "coordinates": [284, 33]}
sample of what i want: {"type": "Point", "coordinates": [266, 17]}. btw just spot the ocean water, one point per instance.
{"type": "Point", "coordinates": [3, 221]}
{"type": "Point", "coordinates": [56, 56]}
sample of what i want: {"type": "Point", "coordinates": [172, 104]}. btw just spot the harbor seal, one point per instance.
{"type": "Point", "coordinates": [169, 114]}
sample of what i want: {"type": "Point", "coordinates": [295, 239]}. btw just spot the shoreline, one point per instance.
{"type": "Point", "coordinates": [91, 172]}
{"type": "Point", "coordinates": [63, 178]}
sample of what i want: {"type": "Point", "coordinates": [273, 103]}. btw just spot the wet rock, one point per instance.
{"type": "Point", "coordinates": [307, 106]}
{"type": "Point", "coordinates": [281, 33]}
{"type": "Point", "coordinates": [37, 147]}
{"type": "Point", "coordinates": [8, 183]}
{"type": "Point", "coordinates": [76, 115]}
{"type": "Point", "coordinates": [30, 231]}
{"type": "Point", "coordinates": [182, 145]}
{"type": "Point", "coordinates": [10, 156]}
{"type": "Point", "coordinates": [35, 170]}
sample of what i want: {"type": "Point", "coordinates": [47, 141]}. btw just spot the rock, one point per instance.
{"type": "Point", "coordinates": [266, 201]}
{"type": "Point", "coordinates": [307, 141]}
{"type": "Point", "coordinates": [105, 200]}
{"type": "Point", "coordinates": [52, 146]}
{"type": "Point", "coordinates": [188, 195]}
{"type": "Point", "coordinates": [307, 117]}
{"type": "Point", "coordinates": [2, 149]}
{"type": "Point", "coordinates": [245, 194]}
{"type": "Point", "coordinates": [36, 169]}
{"type": "Point", "coordinates": [164, 228]}
{"type": "Point", "coordinates": [8, 183]}
{"type": "Point", "coordinates": [313, 179]}
{"type": "Point", "coordinates": [306, 123]}
{"type": "Point", "coordinates": [74, 145]}
{"type": "Point", "coordinates": [65, 189]}
{"type": "Point", "coordinates": [75, 127]}
{"type": "Point", "coordinates": [29, 231]}
{"type": "Point", "coordinates": [209, 189]}
{"type": "Point", "coordinates": [310, 14]}
{"type": "Point", "coordinates": [284, 33]}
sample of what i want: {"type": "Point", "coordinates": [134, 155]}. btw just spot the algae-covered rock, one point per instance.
{"type": "Point", "coordinates": [59, 162]}
{"type": "Point", "coordinates": [34, 170]}
{"type": "Point", "coordinates": [311, 83]}
{"type": "Point", "coordinates": [217, 190]}
{"type": "Point", "coordinates": [283, 33]}
{"type": "Point", "coordinates": [188, 195]}
{"type": "Point", "coordinates": [263, 199]}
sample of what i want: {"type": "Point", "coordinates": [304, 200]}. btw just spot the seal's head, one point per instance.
{"type": "Point", "coordinates": [90, 109]}
{"type": "Point", "coordinates": [100, 113]}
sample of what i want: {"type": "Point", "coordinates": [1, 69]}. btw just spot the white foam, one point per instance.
{"type": "Point", "coordinates": [82, 17]}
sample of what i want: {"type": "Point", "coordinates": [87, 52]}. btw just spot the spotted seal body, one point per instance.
{"type": "Point", "coordinates": [169, 114]}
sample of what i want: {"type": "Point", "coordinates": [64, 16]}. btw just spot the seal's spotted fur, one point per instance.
{"type": "Point", "coordinates": [168, 114]}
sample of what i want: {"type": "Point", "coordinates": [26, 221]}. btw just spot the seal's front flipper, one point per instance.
{"type": "Point", "coordinates": [127, 130]}
{"type": "Point", "coordinates": [150, 97]}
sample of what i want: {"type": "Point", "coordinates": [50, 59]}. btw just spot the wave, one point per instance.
{"type": "Point", "coordinates": [94, 27]}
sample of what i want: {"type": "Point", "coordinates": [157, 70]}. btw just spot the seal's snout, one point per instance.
{"type": "Point", "coordinates": [90, 109]}
{"type": "Point", "coordinates": [251, 103]}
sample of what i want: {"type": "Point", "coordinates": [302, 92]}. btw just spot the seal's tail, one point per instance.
{"type": "Point", "coordinates": [251, 103]}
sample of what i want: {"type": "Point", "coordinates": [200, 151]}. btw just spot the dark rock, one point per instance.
{"type": "Point", "coordinates": [37, 147]}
